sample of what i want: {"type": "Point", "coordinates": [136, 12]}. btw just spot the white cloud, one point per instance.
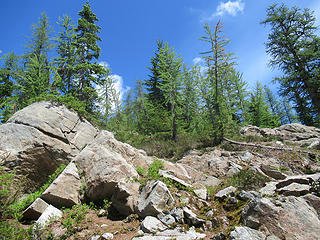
{"type": "Point", "coordinates": [231, 8]}
{"type": "Point", "coordinates": [119, 89]}
{"type": "Point", "coordinates": [197, 60]}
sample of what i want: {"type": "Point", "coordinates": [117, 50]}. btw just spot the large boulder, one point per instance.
{"type": "Point", "coordinates": [103, 166]}
{"type": "Point", "coordinates": [288, 218]}
{"type": "Point", "coordinates": [290, 132]}
{"type": "Point", "coordinates": [153, 199]}
{"type": "Point", "coordinates": [37, 139]}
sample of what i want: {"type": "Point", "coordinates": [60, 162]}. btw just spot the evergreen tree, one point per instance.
{"type": "Point", "coordinates": [170, 73]}
{"type": "Point", "coordinates": [8, 75]}
{"type": "Point", "coordinates": [154, 93]}
{"type": "Point", "coordinates": [219, 62]}
{"type": "Point", "coordinates": [66, 60]}
{"type": "Point", "coordinates": [294, 48]}
{"type": "Point", "coordinates": [189, 96]}
{"type": "Point", "coordinates": [88, 72]}
{"type": "Point", "coordinates": [274, 104]}
{"type": "Point", "coordinates": [35, 79]}
{"type": "Point", "coordinates": [259, 112]}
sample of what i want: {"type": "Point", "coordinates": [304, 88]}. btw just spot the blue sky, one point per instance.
{"type": "Point", "coordinates": [130, 30]}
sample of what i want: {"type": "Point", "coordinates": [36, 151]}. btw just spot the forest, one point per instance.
{"type": "Point", "coordinates": [176, 107]}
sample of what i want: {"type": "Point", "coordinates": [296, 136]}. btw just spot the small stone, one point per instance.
{"type": "Point", "coordinates": [151, 224]}
{"type": "Point", "coordinates": [208, 225]}
{"type": "Point", "coordinates": [107, 236]}
{"type": "Point", "coordinates": [191, 218]}
{"type": "Point", "coordinates": [102, 213]}
{"type": "Point", "coordinates": [245, 233]}
{"type": "Point", "coordinates": [166, 218]}
{"type": "Point", "coordinates": [248, 196]}
{"type": "Point", "coordinates": [94, 237]}
{"type": "Point", "coordinates": [227, 192]}
{"type": "Point", "coordinates": [232, 200]}
{"type": "Point", "coordinates": [209, 214]}
{"type": "Point", "coordinates": [48, 215]}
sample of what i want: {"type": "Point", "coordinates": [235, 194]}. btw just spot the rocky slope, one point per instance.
{"type": "Point", "coordinates": [266, 191]}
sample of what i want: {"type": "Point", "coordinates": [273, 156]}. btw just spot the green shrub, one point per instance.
{"type": "Point", "coordinates": [153, 170]}
{"type": "Point", "coordinates": [247, 179]}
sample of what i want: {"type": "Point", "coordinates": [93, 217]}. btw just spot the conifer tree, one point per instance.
{"type": "Point", "coordinates": [259, 112]}
{"type": "Point", "coordinates": [87, 70]}
{"type": "Point", "coordinates": [219, 62]}
{"type": "Point", "coordinates": [170, 72]}
{"type": "Point", "coordinates": [294, 48]}
{"type": "Point", "coordinates": [67, 57]}
{"type": "Point", "coordinates": [35, 79]}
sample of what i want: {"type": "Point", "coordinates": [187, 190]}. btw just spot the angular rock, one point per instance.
{"type": "Point", "coordinates": [51, 213]}
{"type": "Point", "coordinates": [245, 233]}
{"type": "Point", "coordinates": [224, 193]}
{"type": "Point", "coordinates": [248, 196]}
{"type": "Point", "coordinates": [125, 197]}
{"type": "Point", "coordinates": [103, 168]}
{"type": "Point", "coordinates": [166, 218]}
{"type": "Point", "coordinates": [191, 218]}
{"type": "Point", "coordinates": [290, 218]}
{"type": "Point", "coordinates": [151, 224]}
{"type": "Point", "coordinates": [300, 179]}
{"type": "Point", "coordinates": [177, 234]}
{"type": "Point", "coordinates": [200, 190]}
{"type": "Point", "coordinates": [177, 213]}
{"type": "Point", "coordinates": [269, 189]}
{"type": "Point", "coordinates": [313, 201]}
{"type": "Point", "coordinates": [154, 198]}
{"type": "Point", "coordinates": [40, 137]}
{"type": "Point", "coordinates": [166, 174]}
{"type": "Point", "coordinates": [65, 189]}
{"type": "Point", "coordinates": [295, 189]}
{"type": "Point", "coordinates": [270, 172]}
{"type": "Point", "coordinates": [34, 211]}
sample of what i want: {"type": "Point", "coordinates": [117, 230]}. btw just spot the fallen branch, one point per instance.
{"type": "Point", "coordinates": [270, 147]}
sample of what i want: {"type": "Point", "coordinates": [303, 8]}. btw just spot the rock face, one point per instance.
{"type": "Point", "coordinates": [65, 189]}
{"type": "Point", "coordinates": [40, 137]}
{"type": "Point", "coordinates": [290, 218]}
{"type": "Point", "coordinates": [289, 132]}
{"type": "Point", "coordinates": [103, 167]}
{"type": "Point", "coordinates": [154, 198]}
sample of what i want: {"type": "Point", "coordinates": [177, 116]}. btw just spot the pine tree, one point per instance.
{"type": "Point", "coordinates": [294, 48]}
{"type": "Point", "coordinates": [88, 72]}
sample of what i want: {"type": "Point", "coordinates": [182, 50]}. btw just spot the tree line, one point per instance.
{"type": "Point", "coordinates": [205, 101]}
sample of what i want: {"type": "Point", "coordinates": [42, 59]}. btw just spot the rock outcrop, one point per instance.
{"type": "Point", "coordinates": [37, 139]}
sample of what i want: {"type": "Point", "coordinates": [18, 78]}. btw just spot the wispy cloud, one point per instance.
{"type": "Point", "coordinates": [230, 7]}
{"type": "Point", "coordinates": [197, 60]}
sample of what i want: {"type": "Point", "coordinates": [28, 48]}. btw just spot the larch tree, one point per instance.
{"type": "Point", "coordinates": [219, 62]}
{"type": "Point", "coordinates": [294, 48]}
{"type": "Point", "coordinates": [170, 73]}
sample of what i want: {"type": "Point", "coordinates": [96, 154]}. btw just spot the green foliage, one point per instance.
{"type": "Point", "coordinates": [247, 179]}
{"type": "Point", "coordinates": [141, 171]}
{"type": "Point", "coordinates": [293, 46]}
{"type": "Point", "coordinates": [17, 207]}
{"type": "Point", "coordinates": [74, 219]}
{"type": "Point", "coordinates": [153, 170]}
